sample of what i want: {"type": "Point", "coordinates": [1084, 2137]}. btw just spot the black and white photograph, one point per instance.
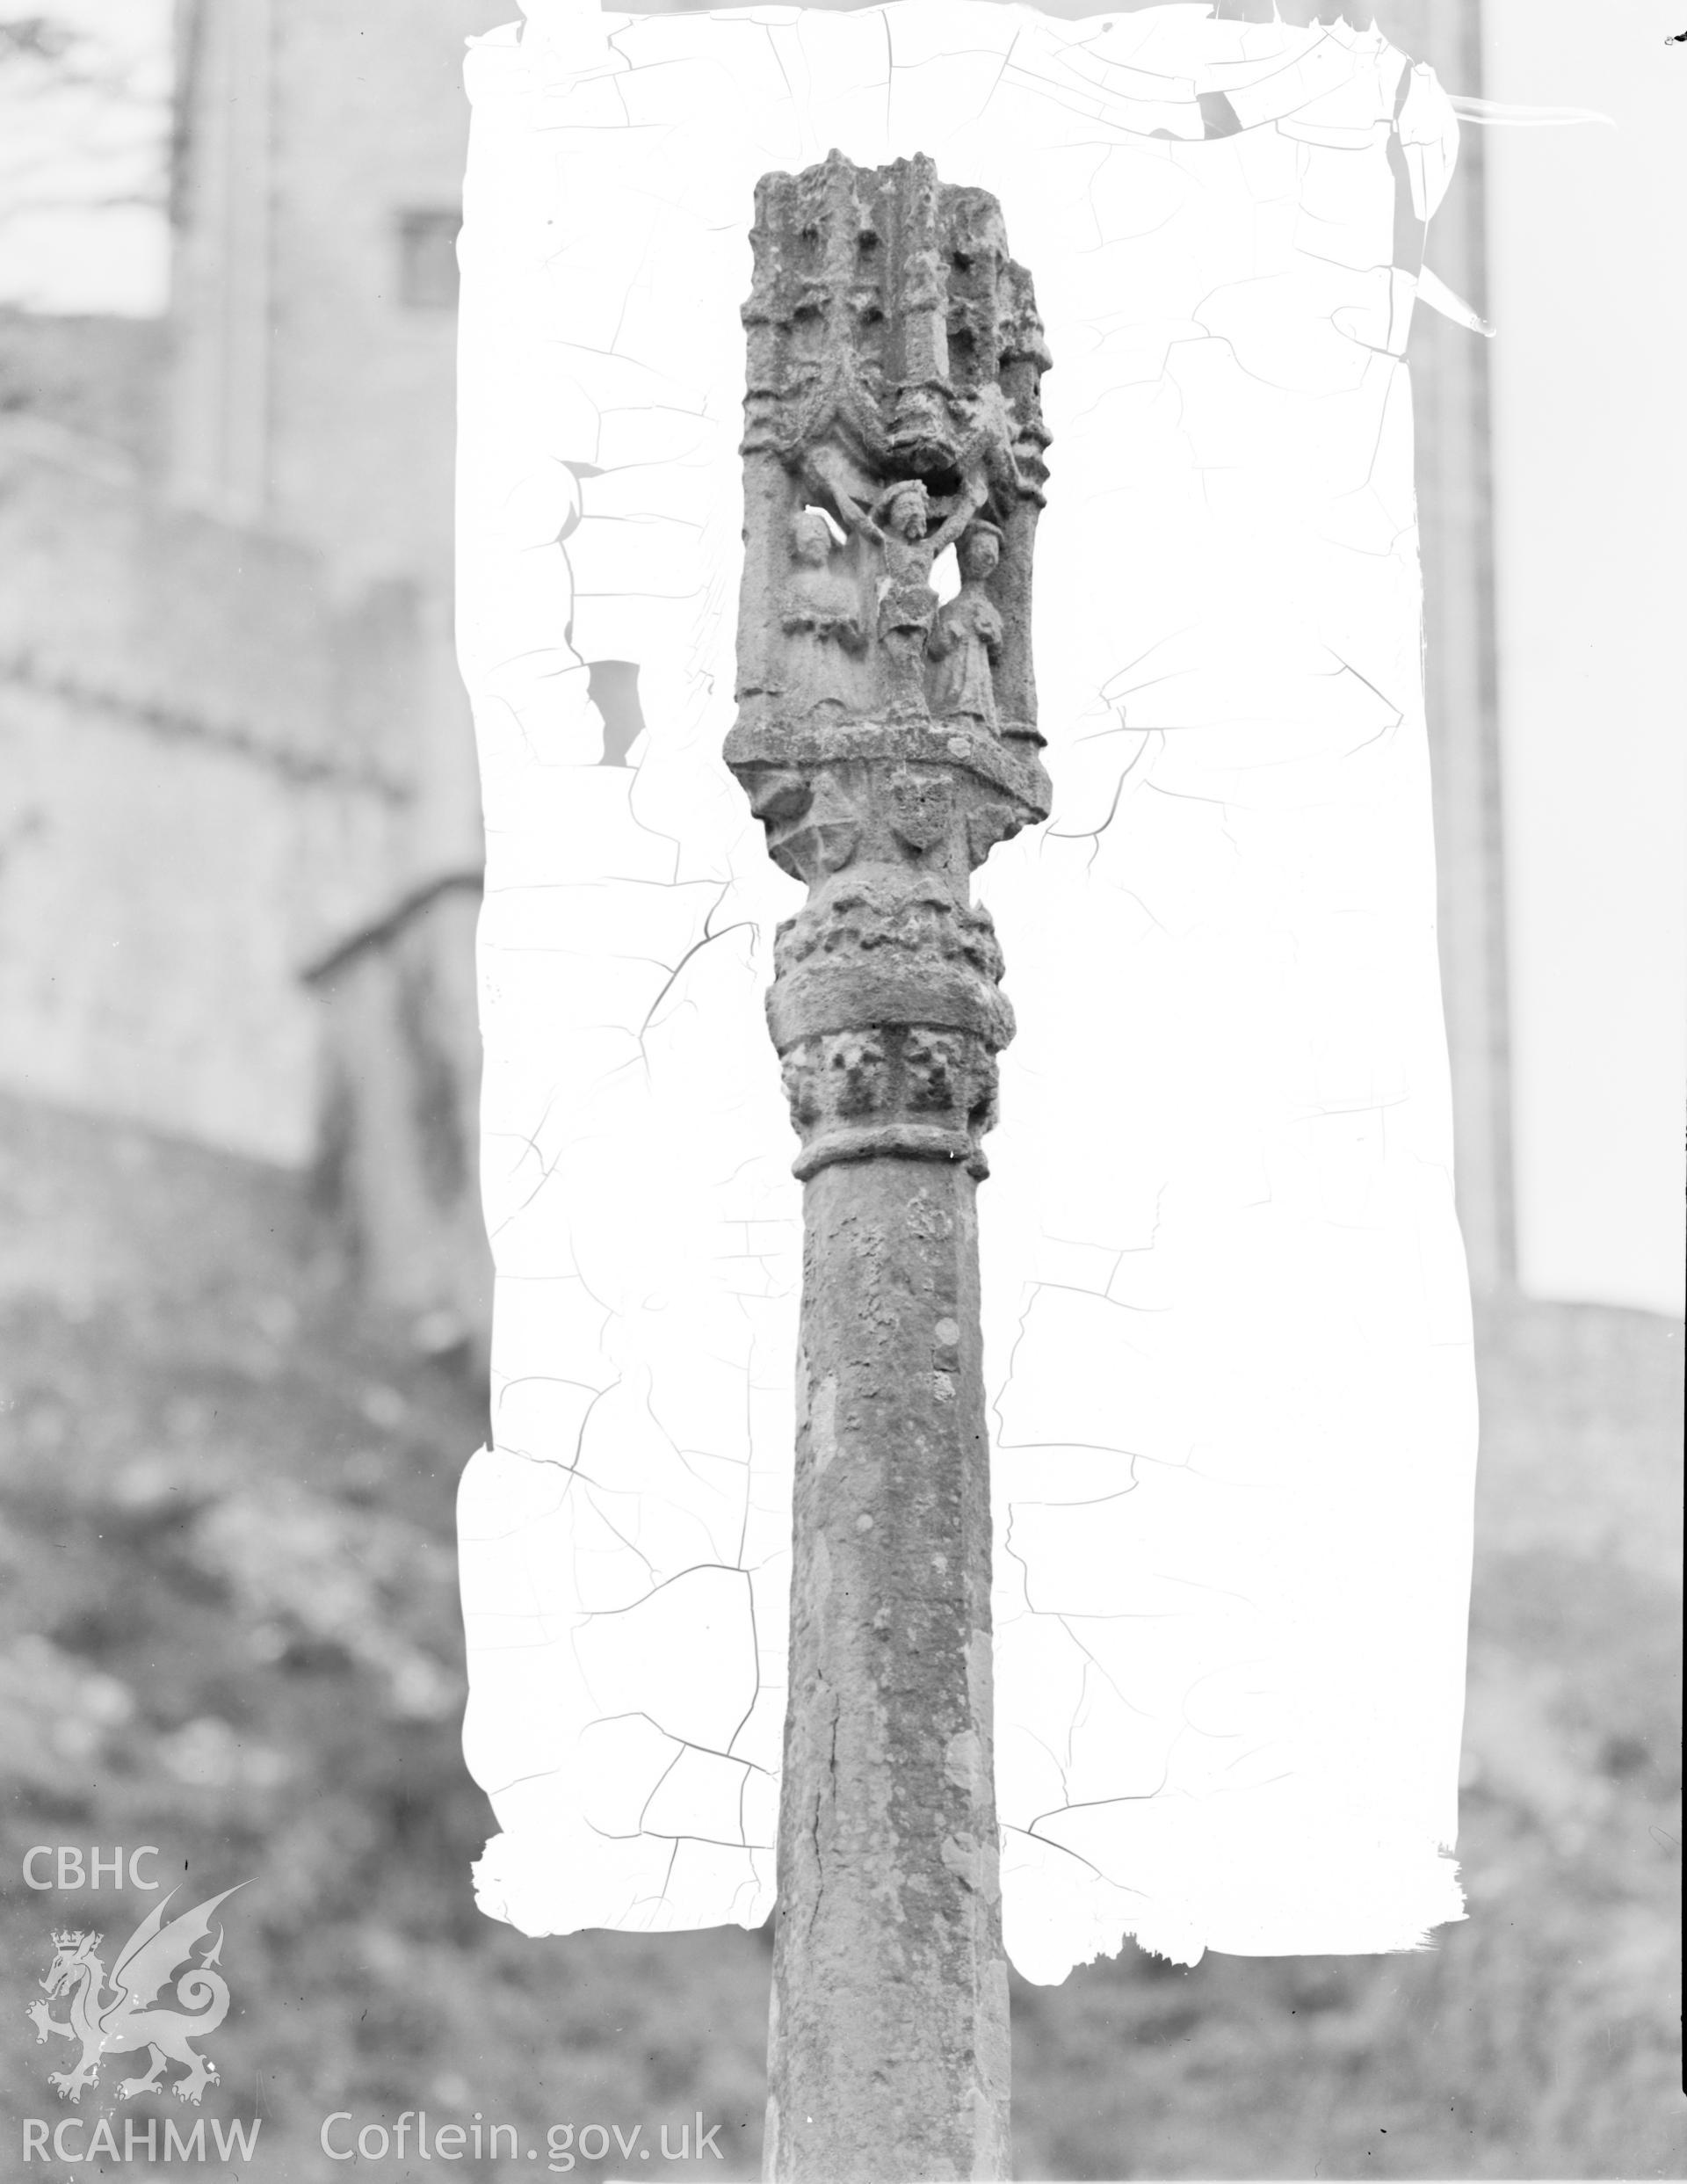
{"type": "Point", "coordinates": [842, 1090]}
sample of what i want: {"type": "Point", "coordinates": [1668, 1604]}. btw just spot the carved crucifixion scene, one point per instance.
{"type": "Point", "coordinates": [887, 739]}
{"type": "Point", "coordinates": [893, 405]}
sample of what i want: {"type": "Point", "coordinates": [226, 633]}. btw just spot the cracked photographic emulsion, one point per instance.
{"type": "Point", "coordinates": [1226, 1324]}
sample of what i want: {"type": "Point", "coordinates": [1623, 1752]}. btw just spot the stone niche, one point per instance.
{"type": "Point", "coordinates": [893, 409]}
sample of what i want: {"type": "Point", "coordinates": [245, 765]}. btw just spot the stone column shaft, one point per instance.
{"type": "Point", "coordinates": [886, 744]}
{"type": "Point", "coordinates": [888, 2052]}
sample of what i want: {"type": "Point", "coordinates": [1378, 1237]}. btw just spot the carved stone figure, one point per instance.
{"type": "Point", "coordinates": [908, 606]}
{"type": "Point", "coordinates": [856, 1062]}
{"type": "Point", "coordinates": [821, 618]}
{"type": "Point", "coordinates": [966, 640]}
{"type": "Point", "coordinates": [936, 1063]}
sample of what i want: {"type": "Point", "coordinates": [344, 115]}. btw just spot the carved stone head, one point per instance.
{"type": "Point", "coordinates": [908, 510]}
{"type": "Point", "coordinates": [979, 552]}
{"type": "Point", "coordinates": [811, 538]}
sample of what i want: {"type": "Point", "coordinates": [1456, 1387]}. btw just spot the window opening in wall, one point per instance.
{"type": "Point", "coordinates": [427, 259]}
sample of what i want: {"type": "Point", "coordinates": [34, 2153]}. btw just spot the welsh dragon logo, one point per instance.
{"type": "Point", "coordinates": [153, 1957]}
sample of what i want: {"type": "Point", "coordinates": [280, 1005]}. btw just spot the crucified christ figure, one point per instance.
{"type": "Point", "coordinates": [897, 523]}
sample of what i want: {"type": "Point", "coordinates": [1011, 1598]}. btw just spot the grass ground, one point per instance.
{"type": "Point", "coordinates": [228, 1627]}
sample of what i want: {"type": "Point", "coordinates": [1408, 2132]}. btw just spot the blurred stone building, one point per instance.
{"type": "Point", "coordinates": [239, 825]}
{"type": "Point", "coordinates": [241, 816]}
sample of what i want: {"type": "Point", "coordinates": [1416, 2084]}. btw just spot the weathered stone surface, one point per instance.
{"type": "Point", "coordinates": [886, 744]}
{"type": "Point", "coordinates": [892, 409]}
{"type": "Point", "coordinates": [888, 2052]}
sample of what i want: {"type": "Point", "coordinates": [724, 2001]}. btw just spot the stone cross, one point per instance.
{"type": "Point", "coordinates": [886, 744]}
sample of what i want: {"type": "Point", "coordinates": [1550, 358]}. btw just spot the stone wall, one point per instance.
{"type": "Point", "coordinates": [187, 820]}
